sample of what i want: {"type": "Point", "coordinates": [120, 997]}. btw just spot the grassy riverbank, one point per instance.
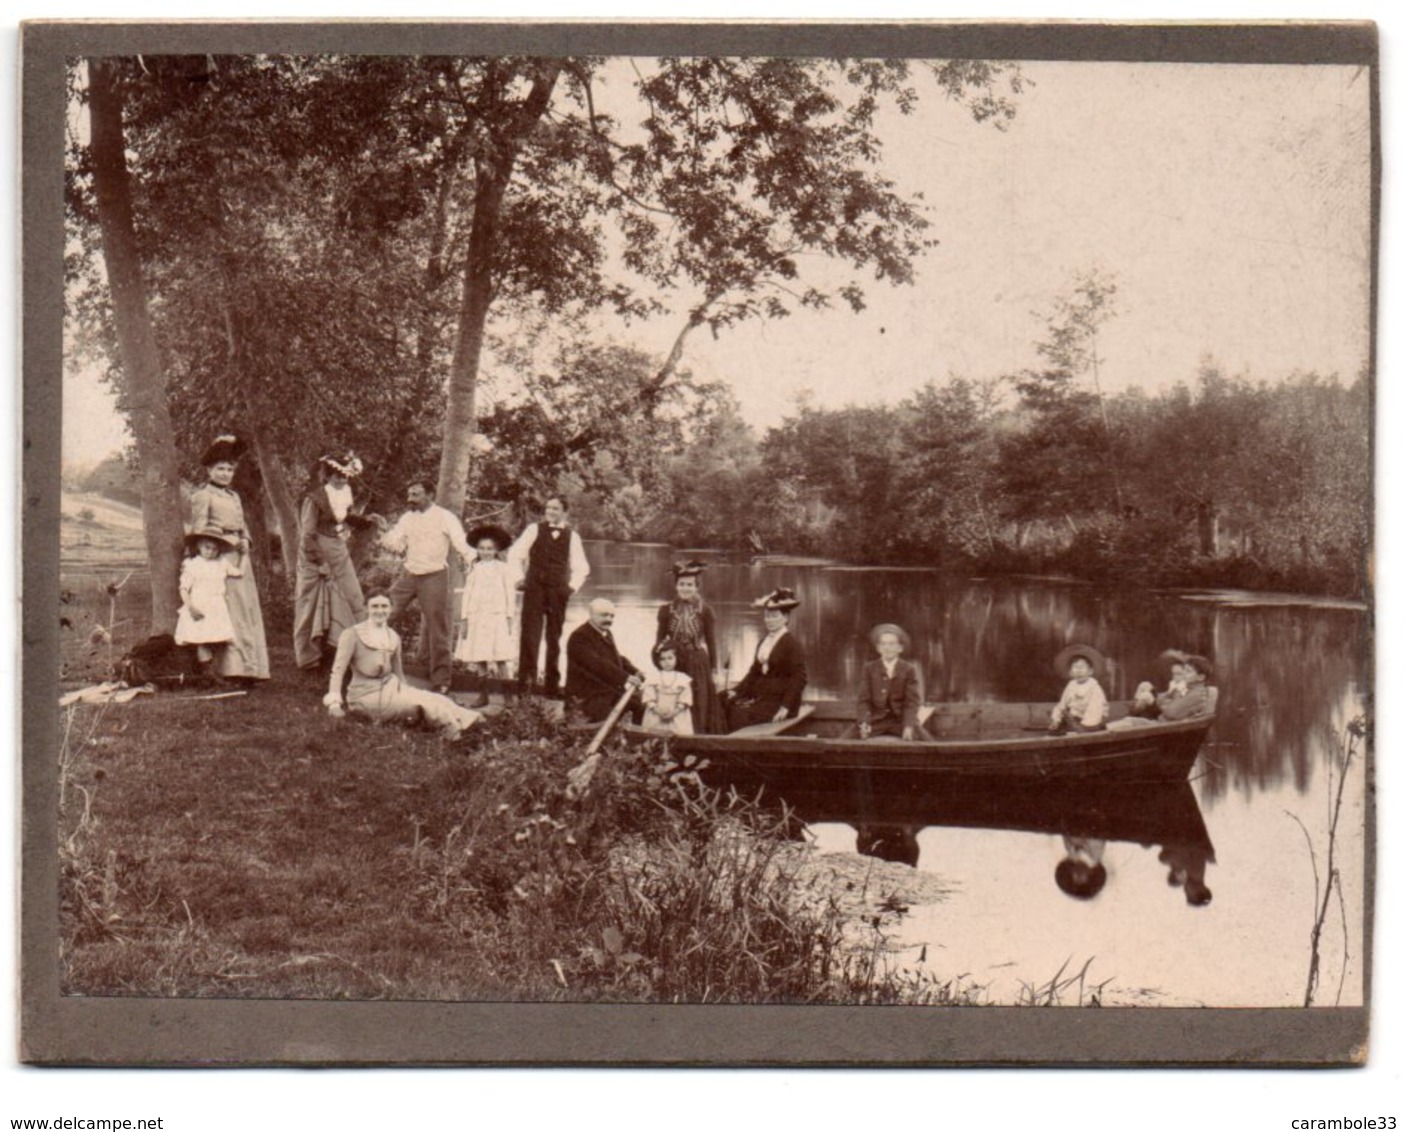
{"type": "Point", "coordinates": [255, 848]}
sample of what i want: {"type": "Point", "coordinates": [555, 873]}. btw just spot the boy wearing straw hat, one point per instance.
{"type": "Point", "coordinates": [889, 696]}
{"type": "Point", "coordinates": [1083, 706]}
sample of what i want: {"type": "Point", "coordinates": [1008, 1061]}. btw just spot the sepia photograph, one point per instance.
{"type": "Point", "coordinates": [590, 517]}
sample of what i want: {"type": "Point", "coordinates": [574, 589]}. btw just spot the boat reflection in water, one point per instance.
{"type": "Point", "coordinates": [1085, 815]}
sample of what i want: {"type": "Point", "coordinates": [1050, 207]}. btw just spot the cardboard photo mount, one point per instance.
{"type": "Point", "coordinates": [65, 1030]}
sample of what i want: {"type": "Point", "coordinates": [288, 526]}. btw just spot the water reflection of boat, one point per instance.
{"type": "Point", "coordinates": [887, 823]}
{"type": "Point", "coordinates": [986, 740]}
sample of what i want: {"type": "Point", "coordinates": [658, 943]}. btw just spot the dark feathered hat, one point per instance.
{"type": "Point", "coordinates": [689, 569]}
{"type": "Point", "coordinates": [224, 448]}
{"type": "Point", "coordinates": [500, 537]}
{"type": "Point", "coordinates": [782, 599]}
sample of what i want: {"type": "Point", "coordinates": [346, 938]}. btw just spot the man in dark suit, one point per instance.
{"type": "Point", "coordinates": [889, 695]}
{"type": "Point", "coordinates": [596, 674]}
{"type": "Point", "coordinates": [771, 691]}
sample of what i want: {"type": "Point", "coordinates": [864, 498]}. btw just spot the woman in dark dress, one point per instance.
{"type": "Point", "coordinates": [771, 690]}
{"type": "Point", "coordinates": [688, 622]}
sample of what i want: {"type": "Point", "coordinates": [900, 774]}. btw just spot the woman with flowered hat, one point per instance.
{"type": "Point", "coordinates": [688, 623]}
{"type": "Point", "coordinates": [328, 596]}
{"type": "Point", "coordinates": [771, 691]}
{"type": "Point", "coordinates": [216, 507]}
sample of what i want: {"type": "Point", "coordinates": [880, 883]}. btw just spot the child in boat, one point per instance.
{"type": "Point", "coordinates": [1188, 696]}
{"type": "Point", "coordinates": [889, 695]}
{"type": "Point", "coordinates": [668, 697]}
{"type": "Point", "coordinates": [1083, 706]}
{"type": "Point", "coordinates": [204, 619]}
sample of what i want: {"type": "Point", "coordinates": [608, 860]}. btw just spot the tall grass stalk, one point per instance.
{"type": "Point", "coordinates": [1327, 886]}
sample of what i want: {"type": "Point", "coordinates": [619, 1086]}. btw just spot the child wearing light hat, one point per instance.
{"type": "Point", "coordinates": [1083, 706]}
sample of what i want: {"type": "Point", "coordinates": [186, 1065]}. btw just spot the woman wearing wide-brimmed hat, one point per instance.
{"type": "Point", "coordinates": [489, 606]}
{"type": "Point", "coordinates": [216, 507]}
{"type": "Point", "coordinates": [328, 596]}
{"type": "Point", "coordinates": [771, 691]}
{"type": "Point", "coordinates": [688, 623]}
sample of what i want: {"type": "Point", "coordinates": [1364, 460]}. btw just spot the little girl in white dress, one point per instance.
{"type": "Point", "coordinates": [204, 619]}
{"type": "Point", "coordinates": [668, 696]}
{"type": "Point", "coordinates": [488, 607]}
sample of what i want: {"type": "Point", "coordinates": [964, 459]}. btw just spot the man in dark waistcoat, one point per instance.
{"type": "Point", "coordinates": [553, 566]}
{"type": "Point", "coordinates": [596, 674]}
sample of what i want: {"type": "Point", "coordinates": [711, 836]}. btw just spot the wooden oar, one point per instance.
{"type": "Point", "coordinates": [578, 778]}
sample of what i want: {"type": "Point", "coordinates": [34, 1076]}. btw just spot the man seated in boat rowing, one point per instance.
{"type": "Point", "coordinates": [597, 675]}
{"type": "Point", "coordinates": [771, 690]}
{"type": "Point", "coordinates": [889, 695]}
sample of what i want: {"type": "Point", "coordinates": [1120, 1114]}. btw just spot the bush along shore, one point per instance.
{"type": "Point", "coordinates": [253, 847]}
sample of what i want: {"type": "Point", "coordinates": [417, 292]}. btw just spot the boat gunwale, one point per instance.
{"type": "Point", "coordinates": [1071, 741]}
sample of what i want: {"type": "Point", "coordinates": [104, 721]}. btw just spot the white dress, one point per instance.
{"type": "Point", "coordinates": [665, 692]}
{"type": "Point", "coordinates": [203, 585]}
{"type": "Point", "coordinates": [488, 605]}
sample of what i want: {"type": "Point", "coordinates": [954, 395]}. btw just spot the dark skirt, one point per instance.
{"type": "Point", "coordinates": [708, 715]}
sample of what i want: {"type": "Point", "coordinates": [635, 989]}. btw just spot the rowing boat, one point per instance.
{"type": "Point", "coordinates": [985, 740]}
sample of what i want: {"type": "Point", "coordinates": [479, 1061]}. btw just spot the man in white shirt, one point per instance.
{"type": "Point", "coordinates": [553, 566]}
{"type": "Point", "coordinates": [425, 534]}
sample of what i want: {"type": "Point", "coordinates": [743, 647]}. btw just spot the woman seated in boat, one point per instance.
{"type": "Point", "coordinates": [889, 694]}
{"type": "Point", "coordinates": [1083, 706]}
{"type": "Point", "coordinates": [1188, 696]}
{"type": "Point", "coordinates": [371, 652]}
{"type": "Point", "coordinates": [771, 690]}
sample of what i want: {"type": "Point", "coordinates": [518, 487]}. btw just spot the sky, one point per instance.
{"type": "Point", "coordinates": [1229, 203]}
{"type": "Point", "coordinates": [687, 1099]}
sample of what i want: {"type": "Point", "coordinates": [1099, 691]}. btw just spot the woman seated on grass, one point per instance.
{"type": "Point", "coordinates": [371, 651]}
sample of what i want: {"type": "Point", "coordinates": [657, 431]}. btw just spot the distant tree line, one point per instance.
{"type": "Point", "coordinates": [1220, 481]}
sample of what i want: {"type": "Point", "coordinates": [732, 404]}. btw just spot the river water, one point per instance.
{"type": "Point", "coordinates": [1291, 673]}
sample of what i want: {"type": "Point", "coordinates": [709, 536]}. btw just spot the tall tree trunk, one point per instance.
{"type": "Point", "coordinates": [1206, 528]}
{"type": "Point", "coordinates": [144, 382]}
{"type": "Point", "coordinates": [285, 507]}
{"type": "Point", "coordinates": [493, 172]}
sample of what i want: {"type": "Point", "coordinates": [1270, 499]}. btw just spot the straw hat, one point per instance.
{"type": "Point", "coordinates": [879, 630]}
{"type": "Point", "coordinates": [214, 535]}
{"type": "Point", "coordinates": [1067, 656]}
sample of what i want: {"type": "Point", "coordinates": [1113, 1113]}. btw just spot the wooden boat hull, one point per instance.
{"type": "Point", "coordinates": [982, 740]}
